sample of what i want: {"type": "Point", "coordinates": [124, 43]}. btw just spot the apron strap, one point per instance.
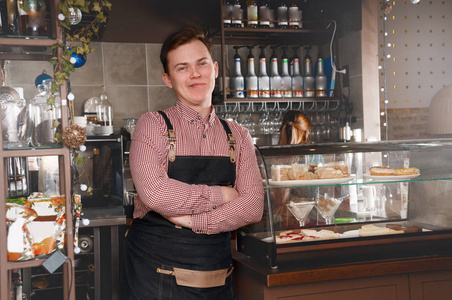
{"type": "Point", "coordinates": [231, 141]}
{"type": "Point", "coordinates": [171, 137]}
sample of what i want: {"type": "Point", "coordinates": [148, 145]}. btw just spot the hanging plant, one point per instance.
{"type": "Point", "coordinates": [76, 43]}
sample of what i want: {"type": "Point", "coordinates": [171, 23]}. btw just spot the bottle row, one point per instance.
{"type": "Point", "coordinates": [24, 18]}
{"type": "Point", "coordinates": [264, 14]}
{"type": "Point", "coordinates": [290, 82]}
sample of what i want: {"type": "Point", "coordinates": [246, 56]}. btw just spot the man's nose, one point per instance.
{"type": "Point", "coordinates": [195, 73]}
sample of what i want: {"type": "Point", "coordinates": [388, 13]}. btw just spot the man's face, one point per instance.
{"type": "Point", "coordinates": [191, 73]}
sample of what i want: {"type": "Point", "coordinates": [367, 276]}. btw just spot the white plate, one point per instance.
{"type": "Point", "coordinates": [310, 182]}
{"type": "Point", "coordinates": [394, 177]}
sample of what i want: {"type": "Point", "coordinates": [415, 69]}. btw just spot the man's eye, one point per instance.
{"type": "Point", "coordinates": [181, 68]}
{"type": "Point", "coordinates": [203, 63]}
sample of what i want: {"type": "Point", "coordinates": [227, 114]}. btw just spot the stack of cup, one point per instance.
{"type": "Point", "coordinates": [81, 121]}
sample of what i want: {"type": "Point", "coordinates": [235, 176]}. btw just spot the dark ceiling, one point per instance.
{"type": "Point", "coordinates": [151, 21]}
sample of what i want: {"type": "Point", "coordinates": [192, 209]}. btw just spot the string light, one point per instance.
{"type": "Point", "coordinates": [386, 8]}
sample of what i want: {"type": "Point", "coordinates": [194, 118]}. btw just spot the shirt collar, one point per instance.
{"type": "Point", "coordinates": [189, 113]}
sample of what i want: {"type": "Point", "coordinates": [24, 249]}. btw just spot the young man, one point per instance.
{"type": "Point", "coordinates": [197, 179]}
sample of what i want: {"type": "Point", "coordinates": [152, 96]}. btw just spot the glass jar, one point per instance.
{"type": "Point", "coordinates": [16, 123]}
{"type": "Point", "coordinates": [46, 117]}
{"type": "Point", "coordinates": [104, 110]}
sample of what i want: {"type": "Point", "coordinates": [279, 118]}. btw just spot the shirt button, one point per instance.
{"type": "Point", "coordinates": [204, 136]}
{"type": "Point", "coordinates": [199, 117]}
{"type": "Point", "coordinates": [191, 121]}
{"type": "Point", "coordinates": [192, 212]}
{"type": "Point", "coordinates": [214, 207]}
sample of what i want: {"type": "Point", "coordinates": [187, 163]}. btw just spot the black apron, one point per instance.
{"type": "Point", "coordinates": [154, 243]}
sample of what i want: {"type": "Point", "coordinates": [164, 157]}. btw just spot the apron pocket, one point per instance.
{"type": "Point", "coordinates": [198, 279]}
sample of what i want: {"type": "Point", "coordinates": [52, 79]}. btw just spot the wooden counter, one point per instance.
{"type": "Point", "coordinates": [412, 278]}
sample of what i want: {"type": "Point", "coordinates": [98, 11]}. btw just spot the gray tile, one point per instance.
{"type": "Point", "coordinates": [91, 73]}
{"type": "Point", "coordinates": [154, 66]}
{"type": "Point", "coordinates": [161, 97]}
{"type": "Point", "coordinates": [25, 72]}
{"type": "Point", "coordinates": [125, 64]}
{"type": "Point", "coordinates": [127, 102]}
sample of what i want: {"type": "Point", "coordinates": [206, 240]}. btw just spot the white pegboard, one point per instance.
{"type": "Point", "coordinates": [421, 51]}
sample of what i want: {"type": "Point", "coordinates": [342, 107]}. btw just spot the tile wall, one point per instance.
{"type": "Point", "coordinates": [131, 72]}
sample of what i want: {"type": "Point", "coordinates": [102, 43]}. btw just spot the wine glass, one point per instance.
{"type": "Point", "coordinates": [249, 123]}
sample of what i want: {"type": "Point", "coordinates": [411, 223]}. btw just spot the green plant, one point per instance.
{"type": "Point", "coordinates": [75, 41]}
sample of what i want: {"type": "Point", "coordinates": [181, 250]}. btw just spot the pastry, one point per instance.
{"type": "Point", "coordinates": [382, 171]}
{"type": "Point", "coordinates": [371, 230]}
{"type": "Point", "coordinates": [407, 171]}
{"type": "Point", "coordinates": [328, 173]}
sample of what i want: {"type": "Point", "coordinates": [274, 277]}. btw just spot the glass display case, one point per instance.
{"type": "Point", "coordinates": [352, 202]}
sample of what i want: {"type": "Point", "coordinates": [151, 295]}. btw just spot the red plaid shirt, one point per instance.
{"type": "Point", "coordinates": [169, 197]}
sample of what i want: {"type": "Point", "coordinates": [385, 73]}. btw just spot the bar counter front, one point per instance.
{"type": "Point", "coordinates": [351, 221]}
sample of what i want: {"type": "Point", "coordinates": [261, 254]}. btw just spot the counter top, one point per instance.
{"type": "Point", "coordinates": [291, 274]}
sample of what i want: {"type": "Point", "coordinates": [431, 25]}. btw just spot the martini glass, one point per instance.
{"type": "Point", "coordinates": [301, 210]}
{"type": "Point", "coordinates": [327, 207]}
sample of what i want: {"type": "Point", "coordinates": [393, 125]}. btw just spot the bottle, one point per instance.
{"type": "Point", "coordinates": [237, 14]}
{"type": "Point", "coordinates": [263, 79]}
{"type": "Point", "coordinates": [275, 79]}
{"type": "Point", "coordinates": [251, 78]}
{"type": "Point", "coordinates": [36, 18]}
{"type": "Point", "coordinates": [308, 78]}
{"type": "Point", "coordinates": [227, 13]}
{"type": "Point", "coordinates": [282, 15]}
{"type": "Point", "coordinates": [13, 18]}
{"type": "Point", "coordinates": [237, 81]}
{"type": "Point", "coordinates": [320, 79]}
{"type": "Point", "coordinates": [251, 13]}
{"type": "Point", "coordinates": [22, 16]}
{"type": "Point", "coordinates": [286, 80]}
{"type": "Point", "coordinates": [297, 79]}
{"type": "Point", "coordinates": [104, 110]}
{"type": "Point", "coordinates": [46, 117]}
{"type": "Point", "coordinates": [264, 14]}
{"type": "Point", "coordinates": [294, 15]}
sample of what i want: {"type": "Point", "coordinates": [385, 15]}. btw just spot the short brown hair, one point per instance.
{"type": "Point", "coordinates": [180, 38]}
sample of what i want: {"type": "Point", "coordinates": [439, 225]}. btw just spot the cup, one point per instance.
{"type": "Point", "coordinates": [369, 195]}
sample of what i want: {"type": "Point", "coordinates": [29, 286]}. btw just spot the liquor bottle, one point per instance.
{"type": "Point", "coordinates": [251, 13]}
{"type": "Point", "coordinates": [297, 79]}
{"type": "Point", "coordinates": [294, 15]}
{"type": "Point", "coordinates": [237, 81]}
{"type": "Point", "coordinates": [286, 80]}
{"type": "Point", "coordinates": [275, 79]}
{"type": "Point", "coordinates": [36, 18]}
{"type": "Point", "coordinates": [237, 14]}
{"type": "Point", "coordinates": [227, 13]}
{"type": "Point", "coordinates": [320, 79]}
{"type": "Point", "coordinates": [22, 16]}
{"type": "Point", "coordinates": [263, 79]}
{"type": "Point", "coordinates": [308, 78]}
{"type": "Point", "coordinates": [282, 15]}
{"type": "Point", "coordinates": [264, 14]}
{"type": "Point", "coordinates": [251, 78]}
{"type": "Point", "coordinates": [12, 25]}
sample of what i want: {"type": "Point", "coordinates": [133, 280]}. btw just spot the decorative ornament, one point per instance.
{"type": "Point", "coordinates": [74, 136]}
{"type": "Point", "coordinates": [79, 60]}
{"type": "Point", "coordinates": [75, 14]}
{"type": "Point", "coordinates": [386, 8]}
{"type": "Point", "coordinates": [41, 77]}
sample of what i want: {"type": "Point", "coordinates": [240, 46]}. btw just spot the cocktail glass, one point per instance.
{"type": "Point", "coordinates": [301, 210]}
{"type": "Point", "coordinates": [327, 207]}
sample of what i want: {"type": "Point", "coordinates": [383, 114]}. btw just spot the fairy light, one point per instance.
{"type": "Point", "coordinates": [385, 8]}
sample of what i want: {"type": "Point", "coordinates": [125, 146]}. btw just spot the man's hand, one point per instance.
{"type": "Point", "coordinates": [229, 194]}
{"type": "Point", "coordinates": [183, 221]}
